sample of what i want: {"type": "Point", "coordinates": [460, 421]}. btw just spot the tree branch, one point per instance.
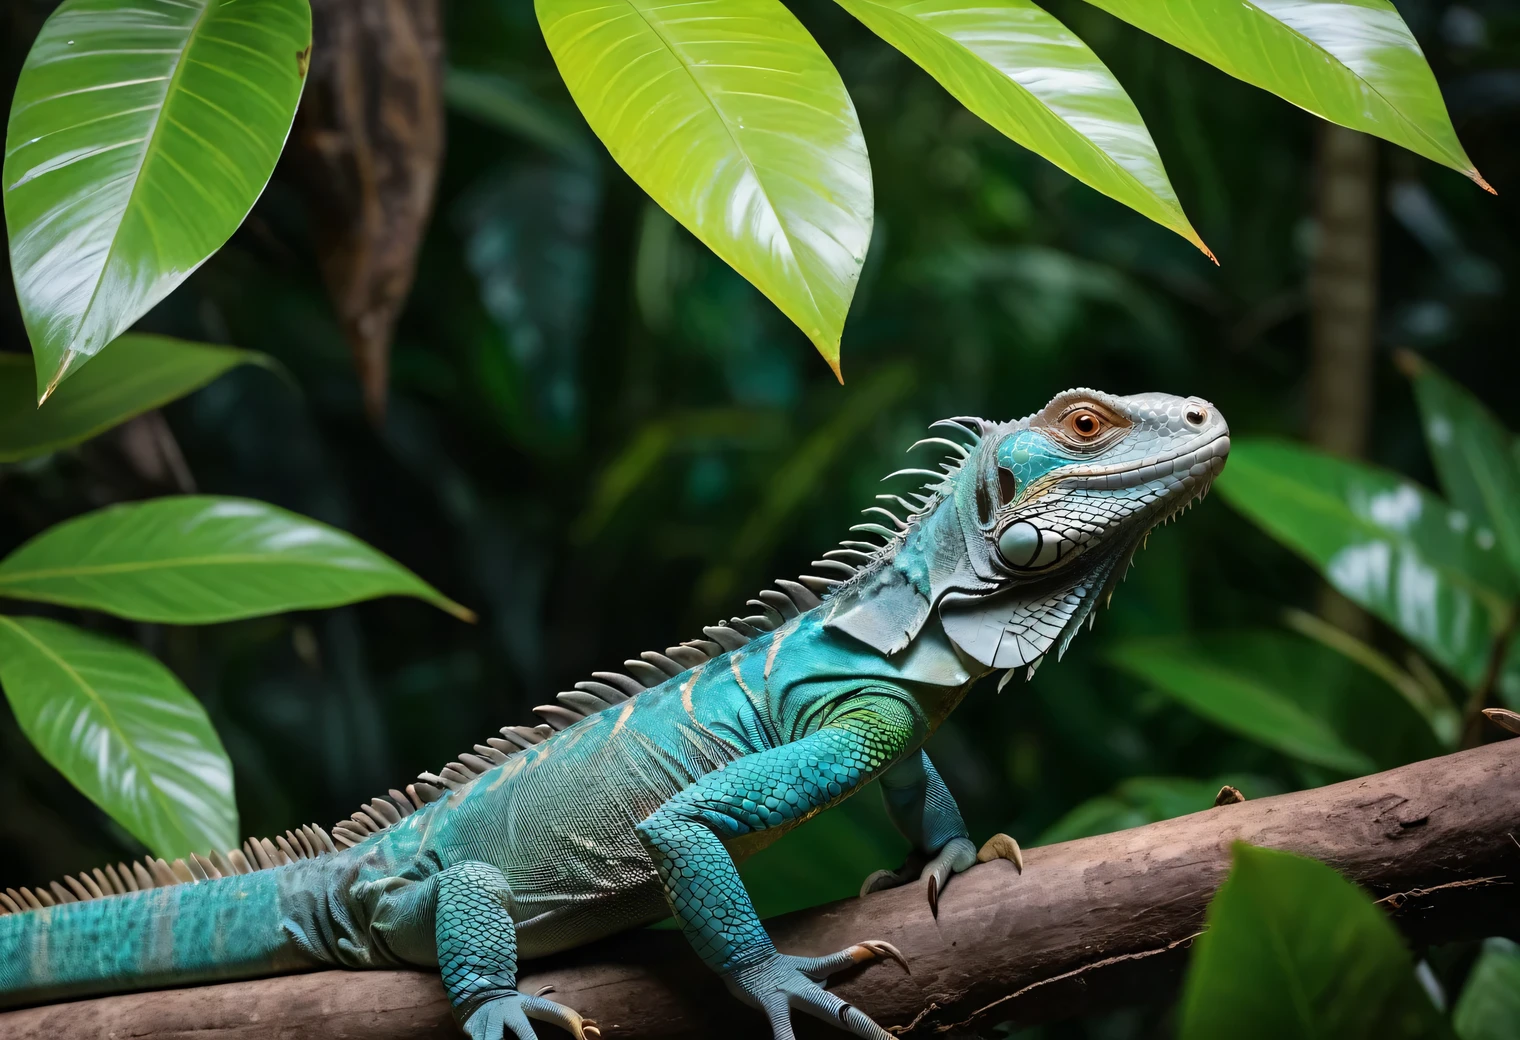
{"type": "Point", "coordinates": [1092, 924]}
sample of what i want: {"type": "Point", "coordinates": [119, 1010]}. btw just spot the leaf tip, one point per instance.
{"type": "Point", "coordinates": [834, 367]}
{"type": "Point", "coordinates": [58, 377]}
{"type": "Point", "coordinates": [458, 610]}
{"type": "Point", "coordinates": [1408, 362]}
{"type": "Point", "coordinates": [1477, 179]}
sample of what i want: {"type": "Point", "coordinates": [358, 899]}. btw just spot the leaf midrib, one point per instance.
{"type": "Point", "coordinates": [786, 233]}
{"type": "Point", "coordinates": [137, 181]}
{"type": "Point", "coordinates": [134, 566]}
{"type": "Point", "coordinates": [1114, 164]}
{"type": "Point", "coordinates": [143, 765]}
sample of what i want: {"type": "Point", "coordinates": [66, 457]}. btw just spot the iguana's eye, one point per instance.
{"type": "Point", "coordinates": [1083, 424]}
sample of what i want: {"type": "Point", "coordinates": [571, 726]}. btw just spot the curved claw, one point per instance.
{"type": "Point", "coordinates": [956, 856]}
{"type": "Point", "coordinates": [783, 983]}
{"type": "Point", "coordinates": [508, 1014]}
{"type": "Point", "coordinates": [1001, 846]}
{"type": "Point", "coordinates": [881, 880]}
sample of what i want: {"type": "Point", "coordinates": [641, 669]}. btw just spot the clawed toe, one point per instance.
{"type": "Point", "coordinates": [1001, 846]}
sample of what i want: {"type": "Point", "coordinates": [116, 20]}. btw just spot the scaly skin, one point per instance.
{"type": "Point", "coordinates": [641, 810]}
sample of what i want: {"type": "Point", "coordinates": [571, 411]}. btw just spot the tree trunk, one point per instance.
{"type": "Point", "coordinates": [1089, 925]}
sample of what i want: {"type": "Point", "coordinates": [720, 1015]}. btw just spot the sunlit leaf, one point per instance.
{"type": "Point", "coordinates": [1220, 679]}
{"type": "Point", "coordinates": [1489, 1007]}
{"type": "Point", "coordinates": [124, 731]}
{"type": "Point", "coordinates": [1353, 62]}
{"type": "Point", "coordinates": [1472, 453]}
{"type": "Point", "coordinates": [1149, 799]}
{"type": "Point", "coordinates": [195, 559]}
{"type": "Point", "coordinates": [1294, 949]}
{"type": "Point", "coordinates": [1382, 541]}
{"type": "Point", "coordinates": [139, 373]}
{"type": "Point", "coordinates": [1030, 77]}
{"type": "Point", "coordinates": [730, 116]}
{"type": "Point", "coordinates": [141, 133]}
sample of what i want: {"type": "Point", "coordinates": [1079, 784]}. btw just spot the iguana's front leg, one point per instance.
{"type": "Point", "coordinates": [921, 808]}
{"type": "Point", "coordinates": [769, 789]}
{"type": "Point", "coordinates": [477, 955]}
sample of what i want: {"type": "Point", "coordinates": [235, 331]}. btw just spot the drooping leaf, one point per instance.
{"type": "Point", "coordinates": [1353, 62]}
{"type": "Point", "coordinates": [1489, 1007]}
{"type": "Point", "coordinates": [1294, 949]}
{"type": "Point", "coordinates": [123, 730]}
{"type": "Point", "coordinates": [140, 373]}
{"type": "Point", "coordinates": [196, 559]}
{"type": "Point", "coordinates": [1034, 80]}
{"type": "Point", "coordinates": [1472, 453]}
{"type": "Point", "coordinates": [1218, 678]}
{"type": "Point", "coordinates": [1382, 542]}
{"type": "Point", "coordinates": [1149, 799]}
{"type": "Point", "coordinates": [141, 133]}
{"type": "Point", "coordinates": [732, 118]}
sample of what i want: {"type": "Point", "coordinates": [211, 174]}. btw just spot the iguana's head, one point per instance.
{"type": "Point", "coordinates": [1033, 522]}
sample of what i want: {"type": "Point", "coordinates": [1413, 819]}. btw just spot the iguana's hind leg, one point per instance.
{"type": "Point", "coordinates": [760, 791]}
{"type": "Point", "coordinates": [477, 954]}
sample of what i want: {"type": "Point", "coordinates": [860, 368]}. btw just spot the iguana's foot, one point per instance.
{"type": "Point", "coordinates": [957, 855]}
{"type": "Point", "coordinates": [506, 1017]}
{"type": "Point", "coordinates": [782, 982]}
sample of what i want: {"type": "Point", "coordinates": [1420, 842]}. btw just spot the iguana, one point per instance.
{"type": "Point", "coordinates": [640, 789]}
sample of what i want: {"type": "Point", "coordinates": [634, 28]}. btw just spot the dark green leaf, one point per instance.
{"type": "Point", "coordinates": [1489, 1007]}
{"type": "Point", "coordinates": [124, 731]}
{"type": "Point", "coordinates": [1220, 679]}
{"type": "Point", "coordinates": [140, 135]}
{"type": "Point", "coordinates": [196, 559]}
{"type": "Point", "coordinates": [1382, 541]}
{"type": "Point", "coordinates": [1472, 453]}
{"type": "Point", "coordinates": [140, 373]}
{"type": "Point", "coordinates": [1295, 950]}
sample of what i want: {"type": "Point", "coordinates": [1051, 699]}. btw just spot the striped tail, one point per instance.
{"type": "Point", "coordinates": [226, 928]}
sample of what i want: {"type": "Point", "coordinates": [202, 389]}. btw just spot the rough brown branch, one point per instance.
{"type": "Point", "coordinates": [1089, 925]}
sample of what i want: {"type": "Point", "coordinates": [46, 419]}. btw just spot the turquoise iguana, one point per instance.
{"type": "Point", "coordinates": [635, 797]}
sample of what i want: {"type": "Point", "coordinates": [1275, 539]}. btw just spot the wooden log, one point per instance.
{"type": "Point", "coordinates": [1093, 924]}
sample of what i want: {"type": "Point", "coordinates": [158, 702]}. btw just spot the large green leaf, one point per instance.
{"type": "Point", "coordinates": [123, 730]}
{"type": "Point", "coordinates": [195, 559]}
{"type": "Point", "coordinates": [1220, 679]}
{"type": "Point", "coordinates": [1489, 1008]}
{"type": "Point", "coordinates": [1472, 452]}
{"type": "Point", "coordinates": [1382, 541]}
{"type": "Point", "coordinates": [140, 372]}
{"type": "Point", "coordinates": [1294, 949]}
{"type": "Point", "coordinates": [140, 135]}
{"type": "Point", "coordinates": [1354, 62]}
{"type": "Point", "coordinates": [730, 116]}
{"type": "Point", "coordinates": [1030, 77]}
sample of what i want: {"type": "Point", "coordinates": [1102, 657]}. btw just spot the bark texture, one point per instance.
{"type": "Point", "coordinates": [1090, 924]}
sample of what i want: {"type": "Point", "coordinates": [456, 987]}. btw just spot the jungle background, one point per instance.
{"type": "Point", "coordinates": [600, 437]}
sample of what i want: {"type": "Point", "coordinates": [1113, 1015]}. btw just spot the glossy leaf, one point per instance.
{"type": "Point", "coordinates": [140, 135]}
{"type": "Point", "coordinates": [195, 559]}
{"type": "Point", "coordinates": [1215, 680]}
{"type": "Point", "coordinates": [1030, 77]}
{"type": "Point", "coordinates": [1148, 799]}
{"type": "Point", "coordinates": [140, 373]}
{"type": "Point", "coordinates": [1382, 541]}
{"type": "Point", "coordinates": [1472, 452]}
{"type": "Point", "coordinates": [123, 730]}
{"type": "Point", "coordinates": [1353, 62]}
{"type": "Point", "coordinates": [730, 116]}
{"type": "Point", "coordinates": [1294, 949]}
{"type": "Point", "coordinates": [1489, 1007]}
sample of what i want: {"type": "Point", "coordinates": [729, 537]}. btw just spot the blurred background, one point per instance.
{"type": "Point", "coordinates": [600, 437]}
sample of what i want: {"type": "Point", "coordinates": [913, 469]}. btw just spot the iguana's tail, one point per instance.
{"type": "Point", "coordinates": [224, 928]}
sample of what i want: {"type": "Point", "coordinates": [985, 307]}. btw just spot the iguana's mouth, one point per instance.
{"type": "Point", "coordinates": [1210, 454]}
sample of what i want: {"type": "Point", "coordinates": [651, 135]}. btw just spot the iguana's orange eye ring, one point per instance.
{"type": "Point", "coordinates": [1083, 423]}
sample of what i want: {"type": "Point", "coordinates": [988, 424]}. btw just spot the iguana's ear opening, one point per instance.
{"type": "Point", "coordinates": [884, 611]}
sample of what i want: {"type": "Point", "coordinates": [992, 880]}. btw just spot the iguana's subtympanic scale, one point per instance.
{"type": "Point", "coordinates": [634, 799]}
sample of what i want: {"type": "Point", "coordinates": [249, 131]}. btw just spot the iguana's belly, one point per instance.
{"type": "Point", "coordinates": [559, 820]}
